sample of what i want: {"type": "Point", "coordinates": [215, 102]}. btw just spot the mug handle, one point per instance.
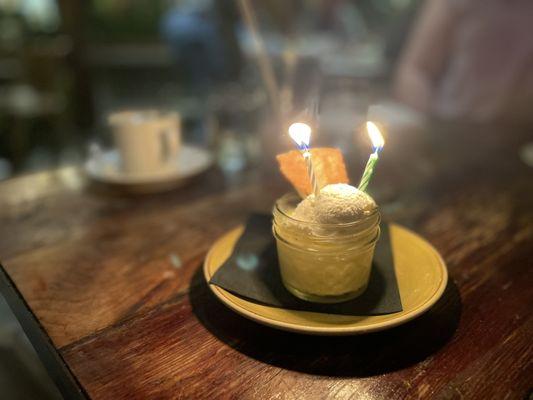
{"type": "Point", "coordinates": [171, 142]}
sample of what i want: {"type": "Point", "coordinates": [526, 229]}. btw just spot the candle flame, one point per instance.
{"type": "Point", "coordinates": [301, 134]}
{"type": "Point", "coordinates": [375, 136]}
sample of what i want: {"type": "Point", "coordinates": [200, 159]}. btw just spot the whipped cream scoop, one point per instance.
{"type": "Point", "coordinates": [336, 203]}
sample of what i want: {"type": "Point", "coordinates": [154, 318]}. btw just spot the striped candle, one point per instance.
{"type": "Point", "coordinates": [301, 134]}
{"type": "Point", "coordinates": [377, 143]}
{"type": "Point", "coordinates": [311, 172]}
{"type": "Point", "coordinates": [369, 171]}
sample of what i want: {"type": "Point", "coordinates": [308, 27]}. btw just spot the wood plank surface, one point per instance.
{"type": "Point", "coordinates": [116, 283]}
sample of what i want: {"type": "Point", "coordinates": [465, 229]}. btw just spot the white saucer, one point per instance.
{"type": "Point", "coordinates": [104, 167]}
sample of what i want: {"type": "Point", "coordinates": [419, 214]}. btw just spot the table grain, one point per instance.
{"type": "Point", "coordinates": [110, 291]}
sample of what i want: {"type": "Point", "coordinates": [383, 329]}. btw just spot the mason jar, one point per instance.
{"type": "Point", "coordinates": [324, 263]}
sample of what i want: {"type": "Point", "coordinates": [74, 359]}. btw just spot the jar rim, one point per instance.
{"type": "Point", "coordinates": [366, 217]}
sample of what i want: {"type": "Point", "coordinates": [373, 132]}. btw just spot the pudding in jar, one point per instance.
{"type": "Point", "coordinates": [325, 246]}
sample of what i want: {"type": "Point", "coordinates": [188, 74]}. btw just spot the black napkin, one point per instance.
{"type": "Point", "coordinates": [252, 272]}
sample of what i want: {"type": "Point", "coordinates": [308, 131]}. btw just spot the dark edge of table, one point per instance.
{"type": "Point", "coordinates": [58, 370]}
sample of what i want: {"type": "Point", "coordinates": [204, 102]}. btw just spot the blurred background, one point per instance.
{"type": "Point", "coordinates": [66, 64]}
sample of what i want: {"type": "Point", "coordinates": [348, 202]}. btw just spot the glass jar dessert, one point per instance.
{"type": "Point", "coordinates": [326, 245]}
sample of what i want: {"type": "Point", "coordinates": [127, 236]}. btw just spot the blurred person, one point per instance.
{"type": "Point", "coordinates": [470, 60]}
{"type": "Point", "coordinates": [201, 35]}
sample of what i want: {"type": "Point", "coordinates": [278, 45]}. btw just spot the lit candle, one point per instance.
{"type": "Point", "coordinates": [301, 134]}
{"type": "Point", "coordinates": [377, 143]}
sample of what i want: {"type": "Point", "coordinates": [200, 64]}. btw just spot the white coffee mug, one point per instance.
{"type": "Point", "coordinates": [147, 140]}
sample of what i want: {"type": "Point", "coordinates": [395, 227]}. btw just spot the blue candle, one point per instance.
{"type": "Point", "coordinates": [301, 134]}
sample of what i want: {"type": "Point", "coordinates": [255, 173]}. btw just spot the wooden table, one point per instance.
{"type": "Point", "coordinates": [110, 291]}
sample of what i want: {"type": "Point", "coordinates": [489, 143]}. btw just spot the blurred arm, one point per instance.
{"type": "Point", "coordinates": [425, 55]}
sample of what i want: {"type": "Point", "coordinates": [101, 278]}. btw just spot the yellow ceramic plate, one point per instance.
{"type": "Point", "coordinates": [420, 271]}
